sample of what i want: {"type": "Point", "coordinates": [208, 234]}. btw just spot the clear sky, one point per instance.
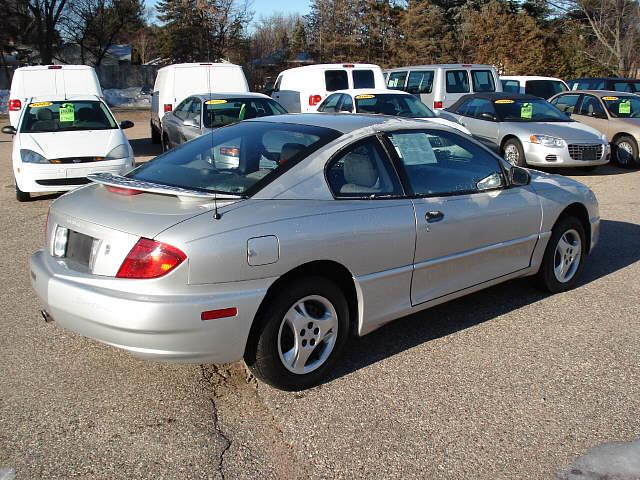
{"type": "Point", "coordinates": [267, 7]}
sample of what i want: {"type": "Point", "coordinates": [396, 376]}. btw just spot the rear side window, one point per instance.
{"type": "Point", "coordinates": [420, 82]}
{"type": "Point", "coordinates": [396, 80]}
{"type": "Point", "coordinates": [622, 87]}
{"type": "Point", "coordinates": [457, 81]}
{"type": "Point", "coordinates": [566, 103]}
{"type": "Point", "coordinates": [363, 79]}
{"type": "Point", "coordinates": [336, 80]}
{"type": "Point", "coordinates": [544, 88]}
{"type": "Point", "coordinates": [591, 106]}
{"type": "Point", "coordinates": [331, 103]}
{"type": "Point", "coordinates": [636, 86]}
{"type": "Point", "coordinates": [483, 81]}
{"type": "Point", "coordinates": [511, 86]}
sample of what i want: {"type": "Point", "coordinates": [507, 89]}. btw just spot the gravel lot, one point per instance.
{"type": "Point", "coordinates": [506, 383]}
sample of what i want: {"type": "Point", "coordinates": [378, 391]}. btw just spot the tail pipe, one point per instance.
{"type": "Point", "coordinates": [45, 316]}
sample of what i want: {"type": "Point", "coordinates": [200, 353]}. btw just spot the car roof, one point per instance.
{"type": "Point", "coordinates": [625, 79]}
{"type": "Point", "coordinates": [371, 91]}
{"type": "Point", "coordinates": [53, 67]}
{"type": "Point", "coordinates": [325, 66]}
{"type": "Point", "coordinates": [341, 122]}
{"type": "Point", "coordinates": [61, 98]}
{"type": "Point", "coordinates": [499, 95]}
{"type": "Point", "coordinates": [442, 65]}
{"type": "Point", "coordinates": [528, 77]}
{"type": "Point", "coordinates": [601, 93]}
{"type": "Point", "coordinates": [224, 95]}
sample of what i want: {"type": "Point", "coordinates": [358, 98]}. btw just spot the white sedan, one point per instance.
{"type": "Point", "coordinates": [59, 141]}
{"type": "Point", "coordinates": [383, 102]}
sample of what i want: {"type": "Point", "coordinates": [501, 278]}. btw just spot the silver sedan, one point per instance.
{"type": "Point", "coordinates": [199, 114]}
{"type": "Point", "coordinates": [327, 226]}
{"type": "Point", "coordinates": [528, 130]}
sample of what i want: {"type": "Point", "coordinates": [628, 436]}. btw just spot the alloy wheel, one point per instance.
{"type": "Point", "coordinates": [567, 256]}
{"type": "Point", "coordinates": [624, 153]}
{"type": "Point", "coordinates": [511, 154]}
{"type": "Point", "coordinates": [307, 334]}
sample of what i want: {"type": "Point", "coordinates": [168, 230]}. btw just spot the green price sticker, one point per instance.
{"type": "Point", "coordinates": [67, 112]}
{"type": "Point", "coordinates": [526, 110]}
{"type": "Point", "coordinates": [624, 107]}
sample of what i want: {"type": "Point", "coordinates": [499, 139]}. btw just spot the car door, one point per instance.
{"type": "Point", "coordinates": [471, 226]}
{"type": "Point", "coordinates": [173, 123]}
{"type": "Point", "coordinates": [484, 120]}
{"type": "Point", "coordinates": [592, 113]}
{"type": "Point", "coordinates": [566, 103]}
{"type": "Point", "coordinates": [192, 122]}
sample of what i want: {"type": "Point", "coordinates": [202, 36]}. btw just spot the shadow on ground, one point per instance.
{"type": "Point", "coordinates": [488, 304]}
{"type": "Point", "coordinates": [604, 170]}
{"type": "Point", "coordinates": [142, 147]}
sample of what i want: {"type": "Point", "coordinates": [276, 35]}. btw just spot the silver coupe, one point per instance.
{"type": "Point", "coordinates": [528, 130]}
{"type": "Point", "coordinates": [326, 226]}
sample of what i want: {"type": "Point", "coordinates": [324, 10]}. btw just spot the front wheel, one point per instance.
{"type": "Point", "coordinates": [22, 196]}
{"type": "Point", "coordinates": [626, 152]}
{"type": "Point", "coordinates": [166, 146]}
{"type": "Point", "coordinates": [301, 333]}
{"type": "Point", "coordinates": [513, 153]}
{"type": "Point", "coordinates": [563, 257]}
{"type": "Point", "coordinates": [155, 134]}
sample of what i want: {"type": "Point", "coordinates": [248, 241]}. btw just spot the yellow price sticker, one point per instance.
{"type": "Point", "coordinates": [363, 97]}
{"type": "Point", "coordinates": [610, 99]}
{"type": "Point", "coordinates": [215, 102]}
{"type": "Point", "coordinates": [40, 104]}
{"type": "Point", "coordinates": [503, 100]}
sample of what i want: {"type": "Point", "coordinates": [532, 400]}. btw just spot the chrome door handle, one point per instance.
{"type": "Point", "coordinates": [435, 216]}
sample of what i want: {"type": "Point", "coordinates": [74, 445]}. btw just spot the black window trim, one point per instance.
{"type": "Point", "coordinates": [453, 70]}
{"type": "Point", "coordinates": [404, 178]}
{"type": "Point", "coordinates": [394, 171]}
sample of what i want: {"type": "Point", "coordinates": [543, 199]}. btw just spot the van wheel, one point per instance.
{"type": "Point", "coordinates": [22, 196]}
{"type": "Point", "coordinates": [300, 335]}
{"type": "Point", "coordinates": [626, 152]}
{"type": "Point", "coordinates": [155, 134]}
{"type": "Point", "coordinates": [513, 153]}
{"type": "Point", "coordinates": [165, 143]}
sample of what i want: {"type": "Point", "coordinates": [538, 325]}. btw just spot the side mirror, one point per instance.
{"type": "Point", "coordinates": [488, 116]}
{"type": "Point", "coordinates": [126, 124]}
{"type": "Point", "coordinates": [518, 176]}
{"type": "Point", "coordinates": [9, 130]}
{"type": "Point", "coordinates": [599, 115]}
{"type": "Point", "coordinates": [190, 122]}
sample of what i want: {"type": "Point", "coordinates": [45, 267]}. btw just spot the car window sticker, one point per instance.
{"type": "Point", "coordinates": [215, 102]}
{"type": "Point", "coordinates": [67, 112]}
{"type": "Point", "coordinates": [362, 97]}
{"type": "Point", "coordinates": [624, 107]}
{"type": "Point", "coordinates": [243, 111]}
{"type": "Point", "coordinates": [503, 100]}
{"type": "Point", "coordinates": [40, 104]}
{"type": "Point", "coordinates": [526, 110]}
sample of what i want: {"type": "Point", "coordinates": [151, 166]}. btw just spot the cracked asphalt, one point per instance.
{"type": "Point", "coordinates": [506, 383]}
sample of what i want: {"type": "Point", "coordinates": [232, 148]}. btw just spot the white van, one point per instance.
{"type": "Point", "coordinates": [543, 87]}
{"type": "Point", "coordinates": [176, 82]}
{"type": "Point", "coordinates": [440, 86]}
{"type": "Point", "coordinates": [43, 80]}
{"type": "Point", "coordinates": [302, 89]}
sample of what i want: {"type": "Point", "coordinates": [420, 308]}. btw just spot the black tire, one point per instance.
{"type": "Point", "coordinates": [166, 146]}
{"type": "Point", "coordinates": [263, 353]}
{"type": "Point", "coordinates": [518, 158]}
{"type": "Point", "coordinates": [621, 154]}
{"type": "Point", "coordinates": [22, 196]}
{"type": "Point", "coordinates": [155, 134]}
{"type": "Point", "coordinates": [547, 279]}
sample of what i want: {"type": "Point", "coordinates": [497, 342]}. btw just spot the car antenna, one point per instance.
{"type": "Point", "coordinates": [216, 214]}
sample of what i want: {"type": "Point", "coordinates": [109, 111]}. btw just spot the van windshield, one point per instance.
{"type": "Point", "coordinates": [67, 115]}
{"type": "Point", "coordinates": [393, 104]}
{"type": "Point", "coordinates": [221, 112]}
{"type": "Point", "coordinates": [237, 159]}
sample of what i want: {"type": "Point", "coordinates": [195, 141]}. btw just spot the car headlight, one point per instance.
{"type": "Point", "coordinates": [547, 141]}
{"type": "Point", "coordinates": [121, 151]}
{"type": "Point", "coordinates": [29, 156]}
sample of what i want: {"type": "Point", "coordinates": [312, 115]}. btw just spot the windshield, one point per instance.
{"type": "Point", "coordinates": [65, 116]}
{"type": "Point", "coordinates": [544, 88]}
{"type": "Point", "coordinates": [239, 159]}
{"type": "Point", "coordinates": [393, 104]}
{"type": "Point", "coordinates": [529, 110]}
{"type": "Point", "coordinates": [623, 106]}
{"type": "Point", "coordinates": [220, 112]}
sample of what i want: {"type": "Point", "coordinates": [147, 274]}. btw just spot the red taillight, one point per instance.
{"type": "Point", "coordinates": [15, 105]}
{"type": "Point", "coordinates": [123, 191]}
{"type": "Point", "coordinates": [54, 67]}
{"type": "Point", "coordinates": [167, 107]}
{"type": "Point", "coordinates": [150, 259]}
{"type": "Point", "coordinates": [437, 104]}
{"type": "Point", "coordinates": [348, 65]}
{"type": "Point", "coordinates": [314, 100]}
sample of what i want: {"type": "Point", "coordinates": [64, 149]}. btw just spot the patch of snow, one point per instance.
{"type": "Point", "coordinates": [4, 102]}
{"type": "Point", "coordinates": [128, 97]}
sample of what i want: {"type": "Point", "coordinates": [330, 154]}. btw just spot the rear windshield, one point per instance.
{"type": "Point", "coordinates": [534, 110]}
{"type": "Point", "coordinates": [64, 116]}
{"type": "Point", "coordinates": [238, 159]}
{"type": "Point", "coordinates": [511, 86]}
{"type": "Point", "coordinates": [393, 104]}
{"type": "Point", "coordinates": [363, 79]}
{"type": "Point", "coordinates": [336, 80]}
{"type": "Point", "coordinates": [544, 88]}
{"type": "Point", "coordinates": [621, 106]}
{"type": "Point", "coordinates": [220, 112]}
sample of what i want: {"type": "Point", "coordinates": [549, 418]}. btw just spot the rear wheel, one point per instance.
{"type": "Point", "coordinates": [301, 334]}
{"type": "Point", "coordinates": [22, 196]}
{"type": "Point", "coordinates": [513, 153]}
{"type": "Point", "coordinates": [165, 143]}
{"type": "Point", "coordinates": [626, 151]}
{"type": "Point", "coordinates": [563, 257]}
{"type": "Point", "coordinates": [155, 134]}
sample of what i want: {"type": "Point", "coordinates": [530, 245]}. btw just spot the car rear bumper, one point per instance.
{"type": "Point", "coordinates": [539, 155]}
{"type": "Point", "coordinates": [63, 177]}
{"type": "Point", "coordinates": [164, 327]}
